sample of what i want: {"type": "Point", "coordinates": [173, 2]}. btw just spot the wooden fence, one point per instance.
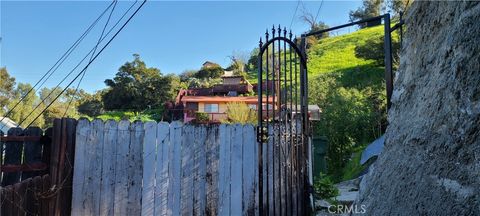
{"type": "Point", "coordinates": [164, 169]}
{"type": "Point", "coordinates": [28, 154]}
{"type": "Point", "coordinates": [25, 154]}
{"type": "Point", "coordinates": [29, 197]}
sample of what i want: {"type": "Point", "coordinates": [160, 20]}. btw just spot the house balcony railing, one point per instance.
{"type": "Point", "coordinates": [190, 115]}
{"type": "Point", "coordinates": [243, 88]}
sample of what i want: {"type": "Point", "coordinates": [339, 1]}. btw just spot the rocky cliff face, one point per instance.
{"type": "Point", "coordinates": [431, 161]}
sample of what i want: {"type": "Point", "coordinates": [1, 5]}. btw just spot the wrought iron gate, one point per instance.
{"type": "Point", "coordinates": [282, 125]}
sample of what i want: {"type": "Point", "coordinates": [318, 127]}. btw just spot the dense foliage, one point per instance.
{"type": "Point", "coordinates": [137, 87]}
{"type": "Point", "coordinates": [212, 72]}
{"type": "Point", "coordinates": [324, 188]}
{"type": "Point", "coordinates": [7, 84]}
{"type": "Point", "coordinates": [369, 9]}
{"type": "Point", "coordinates": [26, 111]}
{"type": "Point", "coordinates": [373, 49]}
{"type": "Point", "coordinates": [238, 112]}
{"type": "Point", "coordinates": [373, 8]}
{"type": "Point", "coordinates": [350, 92]}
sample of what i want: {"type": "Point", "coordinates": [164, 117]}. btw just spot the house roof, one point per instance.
{"type": "Point", "coordinates": [249, 99]}
{"type": "Point", "coordinates": [6, 124]}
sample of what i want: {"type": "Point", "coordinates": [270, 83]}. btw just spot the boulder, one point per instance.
{"type": "Point", "coordinates": [430, 164]}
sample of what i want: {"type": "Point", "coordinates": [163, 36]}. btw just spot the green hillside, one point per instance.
{"type": "Point", "coordinates": [338, 53]}
{"type": "Point", "coordinates": [350, 92]}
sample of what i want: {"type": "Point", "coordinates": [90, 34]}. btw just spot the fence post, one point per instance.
{"type": "Point", "coordinates": [388, 59]}
{"type": "Point", "coordinates": [61, 165]}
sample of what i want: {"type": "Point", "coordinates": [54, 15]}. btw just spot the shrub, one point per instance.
{"type": "Point", "coordinates": [324, 188]}
{"type": "Point", "coordinates": [201, 117]}
{"type": "Point", "coordinates": [240, 113]}
{"type": "Point", "coordinates": [373, 49]}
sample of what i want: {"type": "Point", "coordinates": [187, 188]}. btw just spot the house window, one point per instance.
{"type": "Point", "coordinates": [252, 106]}
{"type": "Point", "coordinates": [211, 108]}
{"type": "Point", "coordinates": [267, 107]}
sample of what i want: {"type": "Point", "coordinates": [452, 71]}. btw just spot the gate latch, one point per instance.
{"type": "Point", "coordinates": [262, 134]}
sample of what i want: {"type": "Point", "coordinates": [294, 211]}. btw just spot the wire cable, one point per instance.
{"type": "Point", "coordinates": [318, 11]}
{"type": "Point", "coordinates": [81, 61]}
{"type": "Point", "coordinates": [89, 63]}
{"type": "Point", "coordinates": [95, 49]}
{"type": "Point", "coordinates": [294, 14]}
{"type": "Point", "coordinates": [58, 62]}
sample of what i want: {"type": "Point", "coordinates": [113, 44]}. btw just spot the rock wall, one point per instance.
{"type": "Point", "coordinates": [431, 161]}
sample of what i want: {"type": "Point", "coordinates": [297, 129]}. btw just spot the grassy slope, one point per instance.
{"type": "Point", "coordinates": [338, 53]}
{"type": "Point", "coordinates": [126, 115]}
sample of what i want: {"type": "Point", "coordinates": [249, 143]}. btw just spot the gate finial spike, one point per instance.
{"type": "Point", "coordinates": [266, 34]}
{"type": "Point", "coordinates": [260, 43]}
{"type": "Point", "coordinates": [279, 30]}
{"type": "Point", "coordinates": [290, 34]}
{"type": "Point", "coordinates": [284, 31]}
{"type": "Point", "coordinates": [273, 30]}
{"type": "Point", "coordinates": [295, 39]}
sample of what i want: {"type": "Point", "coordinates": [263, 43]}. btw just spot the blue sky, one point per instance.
{"type": "Point", "coordinates": [172, 36]}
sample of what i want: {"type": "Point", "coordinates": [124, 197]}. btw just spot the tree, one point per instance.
{"type": "Point", "coordinates": [25, 110]}
{"type": "Point", "coordinates": [211, 71]}
{"type": "Point", "coordinates": [91, 104]}
{"type": "Point", "coordinates": [7, 85]}
{"type": "Point", "coordinates": [398, 6]}
{"type": "Point", "coordinates": [252, 62]}
{"type": "Point", "coordinates": [137, 87]}
{"type": "Point", "coordinates": [238, 63]}
{"type": "Point", "coordinates": [353, 108]}
{"type": "Point", "coordinates": [187, 74]}
{"type": "Point", "coordinates": [64, 106]}
{"type": "Point", "coordinates": [369, 9]}
{"type": "Point", "coordinates": [315, 25]}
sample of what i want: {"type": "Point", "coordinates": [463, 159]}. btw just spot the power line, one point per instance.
{"type": "Point", "coordinates": [58, 62]}
{"type": "Point", "coordinates": [98, 42]}
{"type": "Point", "coordinates": [318, 11]}
{"type": "Point", "coordinates": [294, 14]}
{"type": "Point", "coordinates": [76, 66]}
{"type": "Point", "coordinates": [95, 57]}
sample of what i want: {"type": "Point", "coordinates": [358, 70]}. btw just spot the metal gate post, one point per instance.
{"type": "Point", "coordinates": [388, 58]}
{"type": "Point", "coordinates": [260, 133]}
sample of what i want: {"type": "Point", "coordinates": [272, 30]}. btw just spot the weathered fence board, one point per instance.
{"type": "Point", "coordinates": [200, 170]}
{"type": "Point", "coordinates": [122, 169]}
{"type": "Point", "coordinates": [174, 174]}
{"type": "Point", "coordinates": [249, 171]}
{"type": "Point", "coordinates": [172, 169]}
{"type": "Point", "coordinates": [187, 170]}
{"type": "Point", "coordinates": [32, 151]}
{"type": "Point", "coordinates": [236, 170]}
{"type": "Point", "coordinates": [212, 174]}
{"type": "Point", "coordinates": [224, 170]}
{"type": "Point", "coordinates": [79, 188]}
{"type": "Point", "coordinates": [135, 169]}
{"type": "Point", "coordinates": [162, 164]}
{"type": "Point", "coordinates": [149, 149]}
